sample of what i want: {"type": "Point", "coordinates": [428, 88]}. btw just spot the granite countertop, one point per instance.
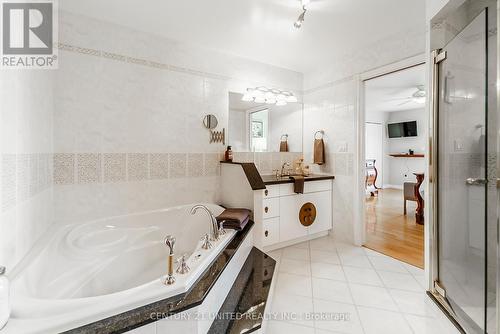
{"type": "Point", "coordinates": [272, 179]}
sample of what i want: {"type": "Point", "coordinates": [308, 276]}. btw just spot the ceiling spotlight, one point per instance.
{"type": "Point", "coordinates": [300, 20]}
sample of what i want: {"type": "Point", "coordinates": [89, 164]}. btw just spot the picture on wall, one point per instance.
{"type": "Point", "coordinates": [257, 129]}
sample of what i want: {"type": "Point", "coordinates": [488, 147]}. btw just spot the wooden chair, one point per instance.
{"type": "Point", "coordinates": [409, 193]}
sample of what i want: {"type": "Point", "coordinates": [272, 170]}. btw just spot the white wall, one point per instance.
{"type": "Point", "coordinates": [330, 104]}
{"type": "Point", "coordinates": [399, 170]}
{"type": "Point", "coordinates": [128, 131]}
{"type": "Point", "coordinates": [26, 108]}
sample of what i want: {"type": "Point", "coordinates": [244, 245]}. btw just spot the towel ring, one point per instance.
{"type": "Point", "coordinates": [286, 137]}
{"type": "Point", "coordinates": [321, 132]}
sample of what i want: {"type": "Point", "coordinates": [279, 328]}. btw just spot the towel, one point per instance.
{"type": "Point", "coordinates": [319, 151]}
{"type": "Point", "coordinates": [234, 218]}
{"type": "Point", "coordinates": [284, 146]}
{"type": "Point", "coordinates": [298, 184]}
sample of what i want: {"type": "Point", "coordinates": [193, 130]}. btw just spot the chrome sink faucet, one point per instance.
{"type": "Point", "coordinates": [286, 164]}
{"type": "Point", "coordinates": [214, 225]}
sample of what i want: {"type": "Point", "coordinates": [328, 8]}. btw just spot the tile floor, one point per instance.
{"type": "Point", "coordinates": [368, 292]}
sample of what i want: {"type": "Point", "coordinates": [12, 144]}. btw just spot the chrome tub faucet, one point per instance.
{"type": "Point", "coordinates": [214, 225]}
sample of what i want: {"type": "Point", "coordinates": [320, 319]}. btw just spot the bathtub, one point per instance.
{"type": "Point", "coordinates": [81, 273]}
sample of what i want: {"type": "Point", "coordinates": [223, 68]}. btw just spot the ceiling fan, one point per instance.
{"type": "Point", "coordinates": [417, 97]}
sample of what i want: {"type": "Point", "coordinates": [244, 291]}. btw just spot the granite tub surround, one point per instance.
{"type": "Point", "coordinates": [246, 305]}
{"type": "Point", "coordinates": [105, 299]}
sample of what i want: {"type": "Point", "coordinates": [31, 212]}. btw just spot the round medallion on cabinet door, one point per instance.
{"type": "Point", "coordinates": [307, 214]}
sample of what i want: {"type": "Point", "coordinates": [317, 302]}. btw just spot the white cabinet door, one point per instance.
{"type": "Point", "coordinates": [323, 203]}
{"type": "Point", "coordinates": [290, 226]}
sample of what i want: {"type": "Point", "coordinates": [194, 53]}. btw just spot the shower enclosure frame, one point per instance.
{"type": "Point", "coordinates": [440, 35]}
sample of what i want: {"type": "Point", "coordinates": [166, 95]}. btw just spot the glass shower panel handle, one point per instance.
{"type": "Point", "coordinates": [472, 181]}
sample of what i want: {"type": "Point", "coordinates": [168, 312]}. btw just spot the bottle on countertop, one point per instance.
{"type": "Point", "coordinates": [228, 155]}
{"type": "Point", "coordinates": [4, 298]}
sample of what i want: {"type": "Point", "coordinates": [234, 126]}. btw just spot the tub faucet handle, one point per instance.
{"type": "Point", "coordinates": [183, 267]}
{"type": "Point", "coordinates": [222, 231]}
{"type": "Point", "coordinates": [206, 242]}
{"type": "Point", "coordinates": [170, 242]}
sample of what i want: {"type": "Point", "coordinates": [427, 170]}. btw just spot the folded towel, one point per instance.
{"type": "Point", "coordinates": [298, 184]}
{"type": "Point", "coordinates": [232, 224]}
{"type": "Point", "coordinates": [319, 151]}
{"type": "Point", "coordinates": [284, 146]}
{"type": "Point", "coordinates": [234, 218]}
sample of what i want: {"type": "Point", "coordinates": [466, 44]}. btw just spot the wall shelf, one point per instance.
{"type": "Point", "coordinates": [398, 155]}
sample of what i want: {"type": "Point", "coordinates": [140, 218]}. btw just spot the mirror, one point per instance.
{"type": "Point", "coordinates": [210, 122]}
{"type": "Point", "coordinates": [260, 127]}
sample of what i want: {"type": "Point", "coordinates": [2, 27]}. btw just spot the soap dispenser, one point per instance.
{"type": "Point", "coordinates": [4, 298]}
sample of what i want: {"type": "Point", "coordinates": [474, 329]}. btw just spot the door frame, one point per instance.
{"type": "Point", "coordinates": [359, 202]}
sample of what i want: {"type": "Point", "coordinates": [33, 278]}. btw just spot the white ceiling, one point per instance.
{"type": "Point", "coordinates": [392, 92]}
{"type": "Point", "coordinates": [263, 29]}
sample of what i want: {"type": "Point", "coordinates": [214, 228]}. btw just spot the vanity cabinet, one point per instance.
{"type": "Point", "coordinates": [275, 205]}
{"type": "Point", "coordinates": [278, 207]}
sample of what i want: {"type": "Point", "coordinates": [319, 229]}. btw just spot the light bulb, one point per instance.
{"type": "Point", "coordinates": [291, 99]}
{"type": "Point", "coordinates": [260, 99]}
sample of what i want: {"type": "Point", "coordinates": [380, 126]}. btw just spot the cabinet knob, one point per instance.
{"type": "Point", "coordinates": [266, 192]}
{"type": "Point", "coordinates": [266, 233]}
{"type": "Point", "coordinates": [266, 209]}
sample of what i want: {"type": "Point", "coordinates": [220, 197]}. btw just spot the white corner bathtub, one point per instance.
{"type": "Point", "coordinates": [85, 272]}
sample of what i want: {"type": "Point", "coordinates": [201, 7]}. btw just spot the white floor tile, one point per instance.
{"type": "Point", "coordinates": [417, 303]}
{"type": "Point", "coordinates": [371, 296]}
{"type": "Point", "coordinates": [297, 267]}
{"type": "Point", "coordinates": [346, 249]}
{"type": "Point", "coordinates": [324, 257]}
{"type": "Point", "coordinates": [327, 271]}
{"type": "Point", "coordinates": [324, 244]}
{"type": "Point", "coordinates": [413, 270]}
{"type": "Point", "coordinates": [295, 253]}
{"type": "Point", "coordinates": [331, 290]}
{"type": "Point", "coordinates": [424, 325]}
{"type": "Point", "coordinates": [293, 309]}
{"type": "Point", "coordinates": [302, 245]}
{"type": "Point", "coordinates": [355, 261]}
{"type": "Point", "coordinates": [294, 284]}
{"type": "Point", "coordinates": [399, 281]}
{"type": "Point", "coordinates": [341, 317]}
{"type": "Point", "coordinates": [377, 321]}
{"type": "Point", "coordinates": [372, 253]}
{"type": "Point", "coordinates": [362, 276]}
{"type": "Point", "coordinates": [388, 264]}
{"type": "Point", "coordinates": [280, 327]}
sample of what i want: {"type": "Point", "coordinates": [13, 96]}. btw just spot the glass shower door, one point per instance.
{"type": "Point", "coordinates": [462, 182]}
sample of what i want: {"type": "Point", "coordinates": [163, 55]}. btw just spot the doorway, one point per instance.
{"type": "Point", "coordinates": [394, 146]}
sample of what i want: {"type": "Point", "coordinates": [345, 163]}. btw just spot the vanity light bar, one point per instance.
{"type": "Point", "coordinates": [269, 96]}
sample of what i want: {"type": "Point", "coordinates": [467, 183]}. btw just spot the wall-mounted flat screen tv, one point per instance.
{"type": "Point", "coordinates": [403, 129]}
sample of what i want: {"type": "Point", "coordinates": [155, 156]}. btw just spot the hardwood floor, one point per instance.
{"type": "Point", "coordinates": [390, 232]}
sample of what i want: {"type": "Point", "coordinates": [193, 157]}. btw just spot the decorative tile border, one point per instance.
{"type": "Point", "coordinates": [24, 176]}
{"type": "Point", "coordinates": [94, 168]}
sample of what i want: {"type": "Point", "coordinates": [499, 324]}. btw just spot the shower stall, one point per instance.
{"type": "Point", "coordinates": [463, 164]}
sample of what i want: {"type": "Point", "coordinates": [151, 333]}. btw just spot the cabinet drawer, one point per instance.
{"type": "Point", "coordinates": [309, 187]}
{"type": "Point", "coordinates": [271, 191]}
{"type": "Point", "coordinates": [270, 231]}
{"type": "Point", "coordinates": [270, 207]}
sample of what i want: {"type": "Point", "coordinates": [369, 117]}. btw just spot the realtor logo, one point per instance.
{"type": "Point", "coordinates": [28, 34]}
